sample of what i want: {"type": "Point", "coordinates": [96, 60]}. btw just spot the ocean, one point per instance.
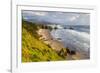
{"type": "Point", "coordinates": [74, 37]}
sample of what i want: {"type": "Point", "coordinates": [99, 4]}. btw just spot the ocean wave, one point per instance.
{"type": "Point", "coordinates": [72, 39]}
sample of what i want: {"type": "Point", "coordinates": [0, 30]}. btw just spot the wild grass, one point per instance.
{"type": "Point", "coordinates": [33, 49]}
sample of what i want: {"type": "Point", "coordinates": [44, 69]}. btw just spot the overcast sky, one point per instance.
{"type": "Point", "coordinates": [66, 18]}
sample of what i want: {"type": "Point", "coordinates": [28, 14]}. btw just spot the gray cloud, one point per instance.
{"type": "Point", "coordinates": [67, 18]}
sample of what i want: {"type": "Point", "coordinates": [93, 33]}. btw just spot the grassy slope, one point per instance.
{"type": "Point", "coordinates": [33, 49]}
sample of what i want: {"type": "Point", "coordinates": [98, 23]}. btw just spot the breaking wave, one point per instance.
{"type": "Point", "coordinates": [74, 40]}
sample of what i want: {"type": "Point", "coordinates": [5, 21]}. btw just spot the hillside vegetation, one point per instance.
{"type": "Point", "coordinates": [33, 49]}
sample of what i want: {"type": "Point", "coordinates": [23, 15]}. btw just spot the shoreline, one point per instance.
{"type": "Point", "coordinates": [57, 45]}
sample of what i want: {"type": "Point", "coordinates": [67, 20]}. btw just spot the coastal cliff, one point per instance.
{"type": "Point", "coordinates": [35, 49]}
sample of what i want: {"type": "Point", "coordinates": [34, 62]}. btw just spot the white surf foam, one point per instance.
{"type": "Point", "coordinates": [73, 39]}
